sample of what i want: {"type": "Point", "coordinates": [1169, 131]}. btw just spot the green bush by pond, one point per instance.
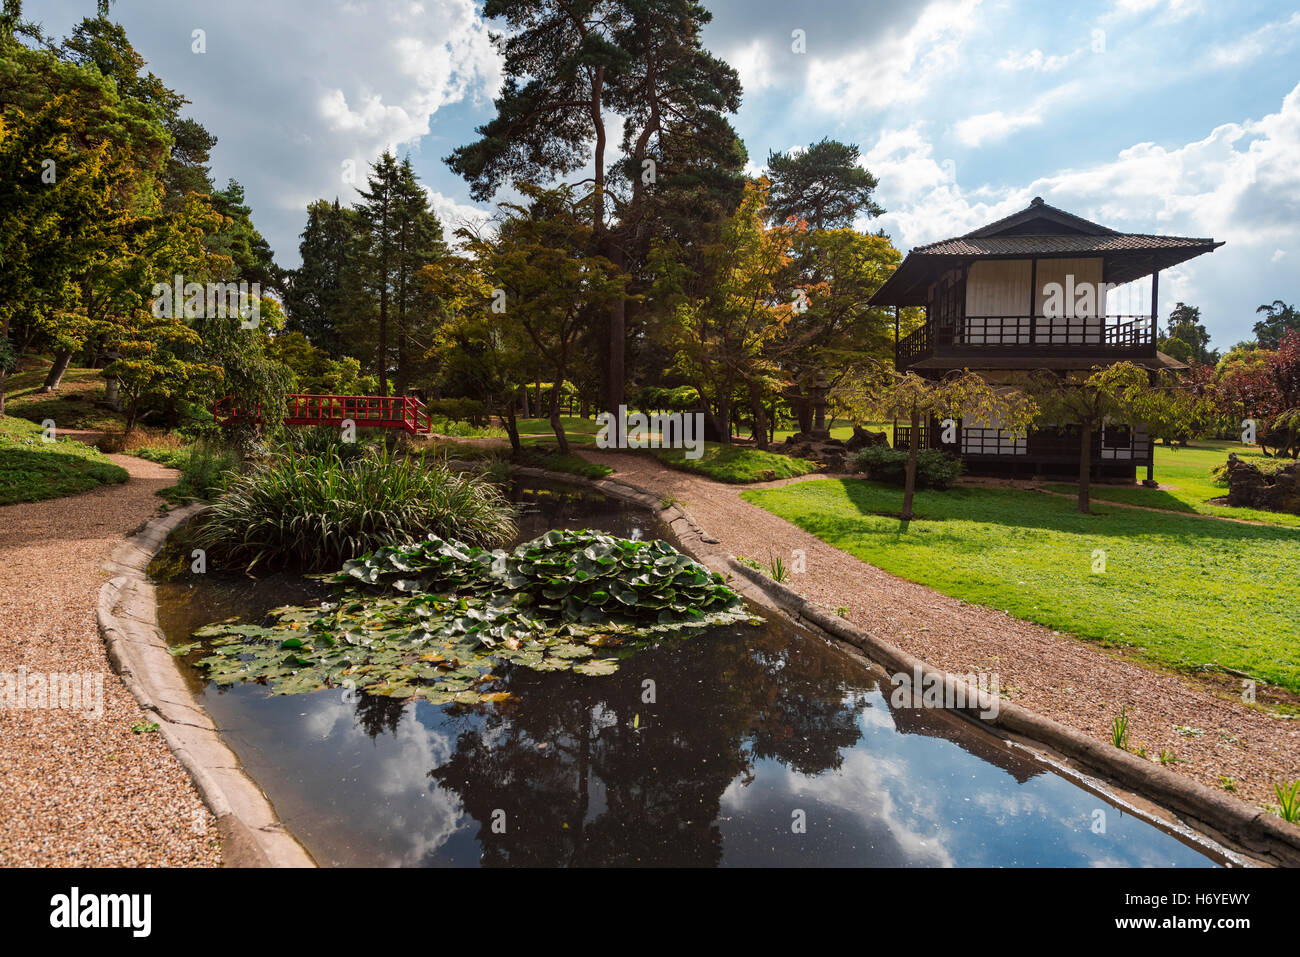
{"type": "Point", "coordinates": [315, 512]}
{"type": "Point", "coordinates": [433, 619]}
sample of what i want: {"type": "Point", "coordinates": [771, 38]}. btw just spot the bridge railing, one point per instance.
{"type": "Point", "coordinates": [377, 411]}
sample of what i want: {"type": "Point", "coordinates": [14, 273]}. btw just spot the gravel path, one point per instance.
{"type": "Point", "coordinates": [78, 790]}
{"type": "Point", "coordinates": [1078, 683]}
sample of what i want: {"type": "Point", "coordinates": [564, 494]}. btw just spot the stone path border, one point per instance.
{"type": "Point", "coordinates": [251, 833]}
{"type": "Point", "coordinates": [1223, 818]}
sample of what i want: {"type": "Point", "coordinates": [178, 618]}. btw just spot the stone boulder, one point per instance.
{"type": "Point", "coordinates": [1249, 487]}
{"type": "Point", "coordinates": [863, 438]}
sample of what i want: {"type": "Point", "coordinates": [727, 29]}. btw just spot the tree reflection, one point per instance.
{"type": "Point", "coordinates": [583, 771]}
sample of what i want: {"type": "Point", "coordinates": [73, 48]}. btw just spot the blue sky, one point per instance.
{"type": "Point", "coordinates": [1171, 116]}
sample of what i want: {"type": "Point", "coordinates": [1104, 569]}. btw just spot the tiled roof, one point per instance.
{"type": "Point", "coordinates": [1038, 244]}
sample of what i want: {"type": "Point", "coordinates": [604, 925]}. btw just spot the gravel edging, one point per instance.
{"type": "Point", "coordinates": [1235, 821]}
{"type": "Point", "coordinates": [251, 833]}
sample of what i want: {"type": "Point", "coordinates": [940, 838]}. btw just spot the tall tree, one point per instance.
{"type": "Point", "coordinates": [824, 185]}
{"type": "Point", "coordinates": [419, 243]}
{"type": "Point", "coordinates": [548, 280]}
{"type": "Point", "coordinates": [727, 312]}
{"type": "Point", "coordinates": [567, 62]}
{"type": "Point", "coordinates": [1186, 338]}
{"type": "Point", "coordinates": [316, 291]}
{"type": "Point", "coordinates": [1279, 318]}
{"type": "Point", "coordinates": [379, 209]}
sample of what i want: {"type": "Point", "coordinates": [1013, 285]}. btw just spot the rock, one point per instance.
{"type": "Point", "coordinates": [1248, 487]}
{"type": "Point", "coordinates": [863, 438]}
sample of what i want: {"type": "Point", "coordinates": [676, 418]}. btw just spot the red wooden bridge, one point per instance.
{"type": "Point", "coordinates": [372, 411]}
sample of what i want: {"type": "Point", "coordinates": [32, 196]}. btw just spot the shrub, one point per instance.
{"type": "Point", "coordinates": [207, 468]}
{"type": "Point", "coordinates": [315, 512]}
{"type": "Point", "coordinates": [324, 440]}
{"type": "Point", "coordinates": [457, 410]}
{"type": "Point", "coordinates": [934, 467]}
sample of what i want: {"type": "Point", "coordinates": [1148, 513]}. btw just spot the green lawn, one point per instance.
{"type": "Point", "coordinates": [571, 423]}
{"type": "Point", "coordinates": [72, 407]}
{"type": "Point", "coordinates": [1183, 591]}
{"type": "Point", "coordinates": [736, 463]}
{"type": "Point", "coordinates": [32, 469]}
{"type": "Point", "coordinates": [843, 429]}
{"type": "Point", "coordinates": [1187, 473]}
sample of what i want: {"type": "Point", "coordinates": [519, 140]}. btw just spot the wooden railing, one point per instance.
{"type": "Point", "coordinates": [1030, 335]}
{"type": "Point", "coordinates": [372, 411]}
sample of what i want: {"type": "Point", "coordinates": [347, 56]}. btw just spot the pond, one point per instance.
{"type": "Point", "coordinates": [748, 745]}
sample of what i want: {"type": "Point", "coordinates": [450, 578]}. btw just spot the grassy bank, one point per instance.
{"type": "Point", "coordinates": [32, 469]}
{"type": "Point", "coordinates": [1186, 473]}
{"type": "Point", "coordinates": [1181, 591]}
{"type": "Point", "coordinates": [737, 464]}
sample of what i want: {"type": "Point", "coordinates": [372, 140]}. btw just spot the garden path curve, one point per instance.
{"type": "Point", "coordinates": [77, 790]}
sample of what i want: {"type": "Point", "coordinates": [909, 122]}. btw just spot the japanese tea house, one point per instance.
{"type": "Point", "coordinates": [1029, 292]}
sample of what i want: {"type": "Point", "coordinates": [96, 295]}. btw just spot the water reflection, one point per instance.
{"type": "Point", "coordinates": [704, 753]}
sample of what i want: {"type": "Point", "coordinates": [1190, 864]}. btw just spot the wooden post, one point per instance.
{"type": "Point", "coordinates": [1033, 300]}
{"type": "Point", "coordinates": [896, 338]}
{"type": "Point", "coordinates": [1155, 310]}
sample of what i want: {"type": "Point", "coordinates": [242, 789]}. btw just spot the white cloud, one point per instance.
{"type": "Point", "coordinates": [987, 127]}
{"type": "Point", "coordinates": [1272, 38]}
{"type": "Point", "coordinates": [1035, 60]}
{"type": "Point", "coordinates": [454, 215]}
{"type": "Point", "coordinates": [895, 69]}
{"type": "Point", "coordinates": [423, 60]}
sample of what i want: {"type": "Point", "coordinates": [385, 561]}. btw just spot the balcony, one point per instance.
{"type": "Point", "coordinates": [978, 338]}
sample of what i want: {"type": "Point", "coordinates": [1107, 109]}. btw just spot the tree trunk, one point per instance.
{"type": "Point", "coordinates": [803, 411]}
{"type": "Point", "coordinates": [1085, 468]}
{"type": "Point", "coordinates": [525, 401]}
{"type": "Point", "coordinates": [55, 378]}
{"type": "Point", "coordinates": [556, 425]}
{"type": "Point", "coordinates": [760, 417]}
{"type": "Point", "coordinates": [913, 450]}
{"type": "Point", "coordinates": [512, 427]}
{"type": "Point", "coordinates": [2, 390]}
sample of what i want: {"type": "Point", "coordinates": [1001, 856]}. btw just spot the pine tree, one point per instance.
{"type": "Point", "coordinates": [379, 209]}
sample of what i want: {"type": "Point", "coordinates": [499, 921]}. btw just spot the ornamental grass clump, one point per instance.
{"type": "Point", "coordinates": [314, 512]}
{"type": "Point", "coordinates": [442, 620]}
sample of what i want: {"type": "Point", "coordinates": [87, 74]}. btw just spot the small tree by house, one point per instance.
{"type": "Point", "coordinates": [880, 392]}
{"type": "Point", "coordinates": [1122, 392]}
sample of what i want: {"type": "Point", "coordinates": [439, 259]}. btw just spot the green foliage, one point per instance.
{"type": "Point", "coordinates": [207, 467]}
{"type": "Point", "coordinates": [322, 441]}
{"type": "Point", "coordinates": [1288, 801]}
{"type": "Point", "coordinates": [457, 410]}
{"type": "Point", "coordinates": [316, 512]}
{"type": "Point", "coordinates": [935, 468]}
{"type": "Point", "coordinates": [32, 470]}
{"type": "Point", "coordinates": [435, 619]}
{"type": "Point", "coordinates": [1119, 730]}
{"type": "Point", "coordinates": [824, 185]}
{"type": "Point", "coordinates": [737, 464]}
{"type": "Point", "coordinates": [541, 457]}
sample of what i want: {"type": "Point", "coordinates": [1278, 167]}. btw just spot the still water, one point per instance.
{"type": "Point", "coordinates": [750, 745]}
